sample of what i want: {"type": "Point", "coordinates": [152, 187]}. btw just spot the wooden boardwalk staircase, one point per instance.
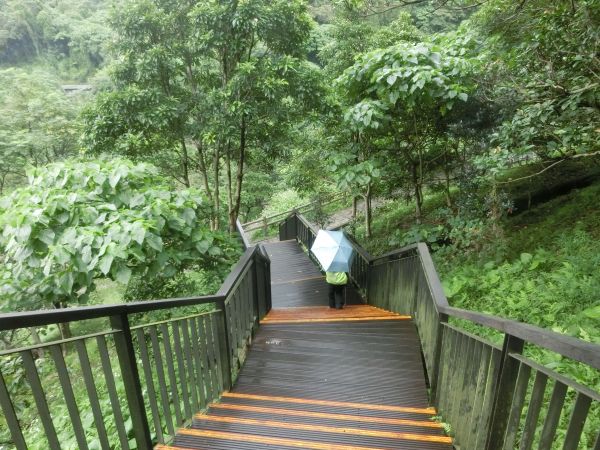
{"type": "Point", "coordinates": [321, 378]}
{"type": "Point", "coordinates": [271, 366]}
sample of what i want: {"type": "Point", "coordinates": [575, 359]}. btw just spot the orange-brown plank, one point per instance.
{"type": "Point", "coordinates": [241, 437]}
{"type": "Point", "coordinates": [306, 401]}
{"type": "Point", "coordinates": [328, 429]}
{"type": "Point", "coordinates": [320, 313]}
{"type": "Point", "coordinates": [341, 319]}
{"type": "Point", "coordinates": [296, 413]}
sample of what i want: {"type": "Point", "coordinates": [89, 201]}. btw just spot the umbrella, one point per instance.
{"type": "Point", "coordinates": [333, 250]}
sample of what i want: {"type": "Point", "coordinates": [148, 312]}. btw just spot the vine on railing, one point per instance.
{"type": "Point", "coordinates": [131, 386]}
{"type": "Point", "coordinates": [494, 398]}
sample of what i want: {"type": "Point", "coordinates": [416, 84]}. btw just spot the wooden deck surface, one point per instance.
{"type": "Point", "coordinates": [319, 378]}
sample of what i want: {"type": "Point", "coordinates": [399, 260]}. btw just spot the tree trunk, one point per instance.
{"type": "Point", "coordinates": [368, 212]}
{"type": "Point", "coordinates": [418, 199]}
{"type": "Point", "coordinates": [37, 340]}
{"type": "Point", "coordinates": [185, 163]}
{"type": "Point", "coordinates": [216, 199]}
{"type": "Point", "coordinates": [229, 181]}
{"type": "Point", "coordinates": [64, 327]}
{"type": "Point", "coordinates": [354, 206]}
{"type": "Point", "coordinates": [447, 179]}
{"type": "Point", "coordinates": [203, 171]}
{"type": "Point", "coordinates": [239, 176]}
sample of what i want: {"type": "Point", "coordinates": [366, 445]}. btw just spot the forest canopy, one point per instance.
{"type": "Point", "coordinates": [137, 135]}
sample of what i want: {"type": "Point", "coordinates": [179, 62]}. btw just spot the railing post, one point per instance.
{"type": "Point", "coordinates": [131, 380]}
{"type": "Point", "coordinates": [224, 345]}
{"type": "Point", "coordinates": [294, 222]}
{"type": "Point", "coordinates": [437, 354]}
{"type": "Point", "coordinates": [503, 394]}
{"type": "Point", "coordinates": [255, 292]}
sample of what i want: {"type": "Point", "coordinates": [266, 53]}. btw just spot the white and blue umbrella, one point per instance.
{"type": "Point", "coordinates": [333, 250]}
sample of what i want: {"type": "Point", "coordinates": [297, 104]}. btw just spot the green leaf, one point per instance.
{"type": "Point", "coordinates": [526, 258]}
{"type": "Point", "coordinates": [138, 233]}
{"type": "Point", "coordinates": [202, 246]}
{"type": "Point", "coordinates": [123, 274]}
{"type": "Point", "coordinates": [154, 241]}
{"type": "Point", "coordinates": [464, 97]}
{"type": "Point", "coordinates": [189, 215]}
{"type": "Point", "coordinates": [105, 264]}
{"type": "Point", "coordinates": [47, 236]}
{"type": "Point", "coordinates": [592, 313]}
{"type": "Point", "coordinates": [113, 178]}
{"type": "Point", "coordinates": [86, 254]}
{"type": "Point", "coordinates": [214, 251]}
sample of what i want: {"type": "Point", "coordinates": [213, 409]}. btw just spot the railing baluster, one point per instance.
{"type": "Point", "coordinates": [474, 421]}
{"type": "Point", "coordinates": [190, 366]}
{"type": "Point", "coordinates": [206, 359]}
{"type": "Point", "coordinates": [164, 328]}
{"type": "Point", "coordinates": [554, 410]}
{"type": "Point", "coordinates": [201, 376]}
{"type": "Point", "coordinates": [518, 399]}
{"type": "Point", "coordinates": [67, 390]}
{"type": "Point", "coordinates": [152, 400]}
{"type": "Point", "coordinates": [162, 383]}
{"type": "Point", "coordinates": [488, 401]}
{"type": "Point", "coordinates": [533, 411]}
{"type": "Point", "coordinates": [112, 391]}
{"type": "Point", "coordinates": [213, 351]}
{"type": "Point", "coordinates": [224, 346]}
{"type": "Point", "coordinates": [577, 421]}
{"type": "Point", "coordinates": [33, 378]}
{"type": "Point", "coordinates": [131, 380]}
{"type": "Point", "coordinates": [12, 421]}
{"type": "Point", "coordinates": [181, 369]}
{"type": "Point", "coordinates": [507, 378]}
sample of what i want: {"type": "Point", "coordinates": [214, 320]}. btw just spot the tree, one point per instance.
{"type": "Point", "coordinates": [403, 93]}
{"type": "Point", "coordinates": [209, 83]}
{"type": "Point", "coordinates": [548, 70]}
{"type": "Point", "coordinates": [78, 221]}
{"type": "Point", "coordinates": [70, 34]}
{"type": "Point", "coordinates": [39, 122]}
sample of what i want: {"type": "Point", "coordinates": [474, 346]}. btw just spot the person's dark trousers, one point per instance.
{"type": "Point", "coordinates": [336, 295]}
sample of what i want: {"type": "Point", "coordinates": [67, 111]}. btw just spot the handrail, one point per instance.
{"type": "Point", "coordinates": [240, 229]}
{"type": "Point", "coordinates": [568, 346]}
{"type": "Point", "coordinates": [307, 223]}
{"type": "Point", "coordinates": [38, 318]}
{"type": "Point", "coordinates": [201, 353]}
{"type": "Point", "coordinates": [478, 387]}
{"type": "Point", "coordinates": [290, 211]}
{"type": "Point", "coordinates": [236, 271]}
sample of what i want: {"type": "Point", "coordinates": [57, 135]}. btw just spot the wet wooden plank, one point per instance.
{"type": "Point", "coordinates": [320, 378]}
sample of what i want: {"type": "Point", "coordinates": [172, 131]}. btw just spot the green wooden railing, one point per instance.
{"type": "Point", "coordinates": [135, 382]}
{"type": "Point", "coordinates": [493, 397]}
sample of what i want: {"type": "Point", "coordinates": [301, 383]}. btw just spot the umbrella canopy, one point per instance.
{"type": "Point", "coordinates": [333, 250]}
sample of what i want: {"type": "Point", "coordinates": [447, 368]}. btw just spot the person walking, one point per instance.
{"type": "Point", "coordinates": [337, 284]}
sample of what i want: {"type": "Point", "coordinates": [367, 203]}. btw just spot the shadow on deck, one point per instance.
{"type": "Point", "coordinates": [323, 379]}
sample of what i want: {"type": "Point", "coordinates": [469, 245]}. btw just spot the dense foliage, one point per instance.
{"type": "Point", "coordinates": [81, 220]}
{"type": "Point", "coordinates": [199, 113]}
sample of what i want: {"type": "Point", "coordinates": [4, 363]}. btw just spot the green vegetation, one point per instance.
{"type": "Point", "coordinates": [79, 221]}
{"type": "Point", "coordinates": [477, 123]}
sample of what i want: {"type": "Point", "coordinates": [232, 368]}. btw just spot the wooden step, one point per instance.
{"type": "Point", "coordinates": [316, 314]}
